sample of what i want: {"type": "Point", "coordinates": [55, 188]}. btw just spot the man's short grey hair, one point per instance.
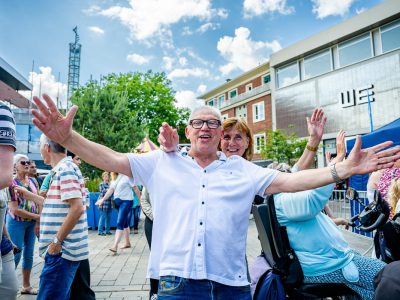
{"type": "Point", "coordinates": [18, 157]}
{"type": "Point", "coordinates": [205, 108]}
{"type": "Point", "coordinates": [55, 147]}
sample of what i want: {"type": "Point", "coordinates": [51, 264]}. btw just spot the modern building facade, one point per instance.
{"type": "Point", "coordinates": [247, 96]}
{"type": "Point", "coordinates": [27, 135]}
{"type": "Point", "coordinates": [342, 69]}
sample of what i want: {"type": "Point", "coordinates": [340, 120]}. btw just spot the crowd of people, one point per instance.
{"type": "Point", "coordinates": [197, 251]}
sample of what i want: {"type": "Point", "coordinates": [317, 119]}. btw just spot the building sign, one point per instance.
{"type": "Point", "coordinates": [357, 96]}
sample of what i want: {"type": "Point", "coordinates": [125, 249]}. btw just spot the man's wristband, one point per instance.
{"type": "Point", "coordinates": [311, 148]}
{"type": "Point", "coordinates": [334, 174]}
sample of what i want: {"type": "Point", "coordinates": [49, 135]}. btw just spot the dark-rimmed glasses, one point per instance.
{"type": "Point", "coordinates": [25, 162]}
{"type": "Point", "coordinates": [198, 123]}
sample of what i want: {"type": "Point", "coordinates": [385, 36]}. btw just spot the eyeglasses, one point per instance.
{"type": "Point", "coordinates": [25, 162]}
{"type": "Point", "coordinates": [198, 123]}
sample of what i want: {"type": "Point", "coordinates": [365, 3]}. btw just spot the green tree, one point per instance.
{"type": "Point", "coordinates": [283, 147]}
{"type": "Point", "coordinates": [152, 98]}
{"type": "Point", "coordinates": [105, 117]}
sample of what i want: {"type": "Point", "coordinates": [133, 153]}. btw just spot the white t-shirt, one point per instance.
{"type": "Point", "coordinates": [122, 188]}
{"type": "Point", "coordinates": [201, 215]}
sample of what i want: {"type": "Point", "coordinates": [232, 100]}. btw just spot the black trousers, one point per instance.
{"type": "Point", "coordinates": [148, 230]}
{"type": "Point", "coordinates": [80, 288]}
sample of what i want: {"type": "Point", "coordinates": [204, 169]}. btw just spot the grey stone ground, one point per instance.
{"type": "Point", "coordinates": [123, 276]}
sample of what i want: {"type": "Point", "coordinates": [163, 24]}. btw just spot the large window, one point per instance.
{"type": "Point", "coordinates": [355, 50]}
{"type": "Point", "coordinates": [34, 139]}
{"type": "Point", "coordinates": [211, 102]}
{"type": "Point", "coordinates": [259, 142]}
{"type": "Point", "coordinates": [317, 64]}
{"type": "Point", "coordinates": [27, 139]}
{"type": "Point", "coordinates": [288, 75]}
{"type": "Point", "coordinates": [390, 34]}
{"type": "Point", "coordinates": [258, 112]}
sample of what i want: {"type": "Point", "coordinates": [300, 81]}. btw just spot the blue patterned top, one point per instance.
{"type": "Point", "coordinates": [106, 206]}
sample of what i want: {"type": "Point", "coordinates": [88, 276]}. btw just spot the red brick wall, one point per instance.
{"type": "Point", "coordinates": [255, 82]}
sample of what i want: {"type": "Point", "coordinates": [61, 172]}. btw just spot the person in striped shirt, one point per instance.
{"type": "Point", "coordinates": [63, 240]}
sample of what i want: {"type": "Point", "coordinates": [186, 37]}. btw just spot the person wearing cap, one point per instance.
{"type": "Point", "coordinates": [201, 198]}
{"type": "Point", "coordinates": [8, 276]}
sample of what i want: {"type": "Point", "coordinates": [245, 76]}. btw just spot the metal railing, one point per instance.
{"type": "Point", "coordinates": [342, 207]}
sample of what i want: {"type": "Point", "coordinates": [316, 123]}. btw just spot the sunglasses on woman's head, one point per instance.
{"type": "Point", "coordinates": [25, 162]}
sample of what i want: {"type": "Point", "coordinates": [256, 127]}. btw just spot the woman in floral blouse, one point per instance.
{"type": "Point", "coordinates": [22, 218]}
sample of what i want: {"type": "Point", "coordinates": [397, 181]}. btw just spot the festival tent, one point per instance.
{"type": "Point", "coordinates": [389, 132]}
{"type": "Point", "coordinates": [146, 146]}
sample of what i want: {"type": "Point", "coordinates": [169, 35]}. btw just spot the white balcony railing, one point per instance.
{"type": "Point", "coordinates": [254, 92]}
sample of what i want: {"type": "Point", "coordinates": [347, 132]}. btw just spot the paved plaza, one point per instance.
{"type": "Point", "coordinates": [123, 276]}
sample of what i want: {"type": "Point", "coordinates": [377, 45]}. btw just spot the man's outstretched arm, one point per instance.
{"type": "Point", "coordinates": [58, 128]}
{"type": "Point", "coordinates": [360, 161]}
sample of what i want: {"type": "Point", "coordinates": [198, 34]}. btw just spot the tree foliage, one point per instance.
{"type": "Point", "coordinates": [152, 98]}
{"type": "Point", "coordinates": [283, 147]}
{"type": "Point", "coordinates": [105, 117]}
{"type": "Point", "coordinates": [121, 109]}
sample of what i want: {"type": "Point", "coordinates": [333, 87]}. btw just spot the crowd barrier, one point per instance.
{"type": "Point", "coordinates": [345, 208]}
{"type": "Point", "coordinates": [93, 213]}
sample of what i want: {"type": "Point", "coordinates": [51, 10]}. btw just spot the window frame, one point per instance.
{"type": "Point", "coordinates": [247, 86]}
{"type": "Point", "coordinates": [390, 24]}
{"type": "Point", "coordinates": [351, 42]}
{"type": "Point", "coordinates": [294, 63]}
{"type": "Point", "coordinates": [257, 118]}
{"type": "Point", "coordinates": [314, 56]}
{"type": "Point", "coordinates": [255, 138]}
{"type": "Point", "coordinates": [229, 93]}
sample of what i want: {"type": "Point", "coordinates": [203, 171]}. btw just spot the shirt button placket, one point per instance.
{"type": "Point", "coordinates": [201, 226]}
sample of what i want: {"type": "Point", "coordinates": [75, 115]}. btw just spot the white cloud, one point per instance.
{"type": "Point", "coordinates": [222, 13]}
{"type": "Point", "coordinates": [243, 53]}
{"type": "Point", "coordinates": [186, 31]}
{"type": "Point", "coordinates": [253, 8]}
{"type": "Point", "coordinates": [168, 61]}
{"type": "Point", "coordinates": [183, 61]}
{"type": "Point", "coordinates": [360, 10]}
{"type": "Point", "coordinates": [208, 26]}
{"type": "Point", "coordinates": [188, 99]}
{"type": "Point", "coordinates": [138, 59]}
{"type": "Point", "coordinates": [46, 83]}
{"type": "Point", "coordinates": [326, 8]}
{"type": "Point", "coordinates": [96, 30]}
{"type": "Point", "coordinates": [182, 73]}
{"type": "Point", "coordinates": [202, 88]}
{"type": "Point", "coordinates": [144, 18]}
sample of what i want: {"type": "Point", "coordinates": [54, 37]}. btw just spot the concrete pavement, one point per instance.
{"type": "Point", "coordinates": [123, 276]}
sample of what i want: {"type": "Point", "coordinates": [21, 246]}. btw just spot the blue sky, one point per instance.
{"type": "Point", "coordinates": [197, 43]}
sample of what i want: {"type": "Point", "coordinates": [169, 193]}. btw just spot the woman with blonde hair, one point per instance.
{"type": "Point", "coordinates": [237, 138]}
{"type": "Point", "coordinates": [394, 195]}
{"type": "Point", "coordinates": [105, 208]}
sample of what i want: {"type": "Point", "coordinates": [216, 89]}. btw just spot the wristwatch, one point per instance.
{"type": "Point", "coordinates": [57, 241]}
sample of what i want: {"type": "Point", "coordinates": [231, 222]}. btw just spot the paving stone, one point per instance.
{"type": "Point", "coordinates": [123, 276]}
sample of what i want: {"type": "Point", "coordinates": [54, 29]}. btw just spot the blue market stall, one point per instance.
{"type": "Point", "coordinates": [389, 132]}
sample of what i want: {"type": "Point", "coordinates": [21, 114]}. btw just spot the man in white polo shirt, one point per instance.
{"type": "Point", "coordinates": [201, 199]}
